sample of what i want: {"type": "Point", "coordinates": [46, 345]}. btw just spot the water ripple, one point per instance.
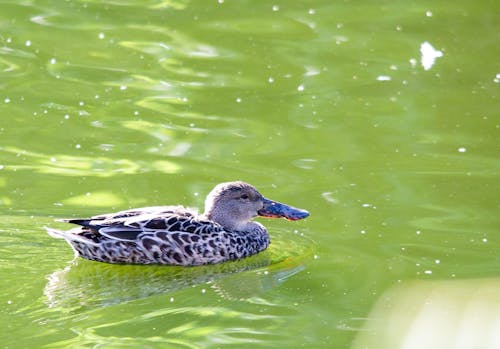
{"type": "Point", "coordinates": [90, 284]}
{"type": "Point", "coordinates": [80, 165]}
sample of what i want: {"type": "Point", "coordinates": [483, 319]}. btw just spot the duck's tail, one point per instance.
{"type": "Point", "coordinates": [58, 234]}
{"type": "Point", "coordinates": [69, 235]}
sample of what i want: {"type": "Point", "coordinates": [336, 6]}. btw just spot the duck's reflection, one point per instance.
{"type": "Point", "coordinates": [435, 315]}
{"type": "Point", "coordinates": [85, 283]}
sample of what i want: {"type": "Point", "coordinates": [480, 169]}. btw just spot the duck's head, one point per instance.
{"type": "Point", "coordinates": [234, 204]}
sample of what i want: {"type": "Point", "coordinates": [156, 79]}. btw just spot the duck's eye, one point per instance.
{"type": "Point", "coordinates": [244, 196]}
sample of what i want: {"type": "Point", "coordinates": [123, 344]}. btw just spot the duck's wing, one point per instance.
{"type": "Point", "coordinates": [127, 225]}
{"type": "Point", "coordinates": [132, 215]}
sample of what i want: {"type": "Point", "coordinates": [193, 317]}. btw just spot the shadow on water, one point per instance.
{"type": "Point", "coordinates": [85, 283]}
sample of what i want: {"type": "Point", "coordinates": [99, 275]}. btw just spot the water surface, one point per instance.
{"type": "Point", "coordinates": [379, 118]}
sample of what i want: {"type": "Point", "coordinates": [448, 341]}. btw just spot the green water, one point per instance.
{"type": "Point", "coordinates": [324, 105]}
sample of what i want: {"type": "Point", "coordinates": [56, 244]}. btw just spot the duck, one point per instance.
{"type": "Point", "coordinates": [176, 235]}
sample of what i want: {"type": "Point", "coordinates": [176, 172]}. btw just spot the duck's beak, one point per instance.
{"type": "Point", "coordinates": [275, 209]}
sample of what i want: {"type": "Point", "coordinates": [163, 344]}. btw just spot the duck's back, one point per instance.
{"type": "Point", "coordinates": [146, 219]}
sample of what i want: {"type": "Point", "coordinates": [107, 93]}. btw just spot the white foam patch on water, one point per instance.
{"type": "Point", "coordinates": [429, 55]}
{"type": "Point", "coordinates": [383, 78]}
